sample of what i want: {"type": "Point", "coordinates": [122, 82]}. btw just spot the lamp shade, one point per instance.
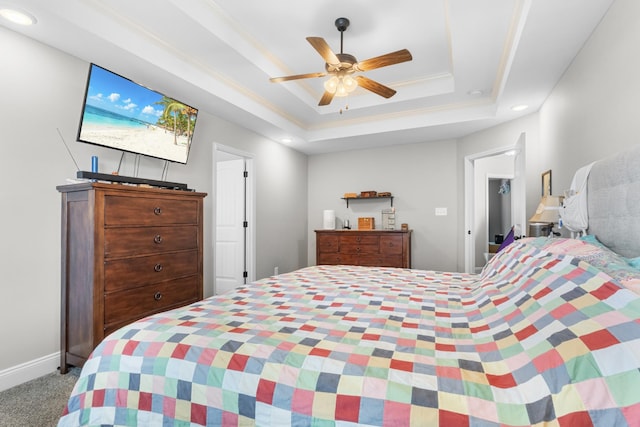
{"type": "Point", "coordinates": [548, 210]}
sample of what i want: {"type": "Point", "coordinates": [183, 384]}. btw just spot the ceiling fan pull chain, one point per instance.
{"type": "Point", "coordinates": [346, 105]}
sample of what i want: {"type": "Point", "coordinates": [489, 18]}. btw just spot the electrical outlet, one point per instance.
{"type": "Point", "coordinates": [276, 271]}
{"type": "Point", "coordinates": [441, 211]}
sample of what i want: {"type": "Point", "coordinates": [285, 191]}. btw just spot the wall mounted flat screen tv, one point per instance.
{"type": "Point", "coordinates": [121, 114]}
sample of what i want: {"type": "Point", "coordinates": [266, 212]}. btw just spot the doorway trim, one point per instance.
{"type": "Point", "coordinates": [518, 198]}
{"type": "Point", "coordinates": [219, 152]}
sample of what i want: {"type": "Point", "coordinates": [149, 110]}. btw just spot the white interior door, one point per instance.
{"type": "Point", "coordinates": [230, 229]}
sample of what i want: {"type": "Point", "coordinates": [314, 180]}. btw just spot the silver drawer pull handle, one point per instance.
{"type": "Point", "coordinates": [157, 239]}
{"type": "Point", "coordinates": [157, 268]}
{"type": "Point", "coordinates": [157, 211]}
{"type": "Point", "coordinates": [157, 296]}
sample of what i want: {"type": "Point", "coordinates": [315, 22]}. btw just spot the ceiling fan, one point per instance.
{"type": "Point", "coordinates": [342, 66]}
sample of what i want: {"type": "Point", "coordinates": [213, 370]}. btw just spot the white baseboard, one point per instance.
{"type": "Point", "coordinates": [29, 371]}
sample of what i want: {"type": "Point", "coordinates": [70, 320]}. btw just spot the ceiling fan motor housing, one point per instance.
{"type": "Point", "coordinates": [345, 65]}
{"type": "Point", "coordinates": [342, 24]}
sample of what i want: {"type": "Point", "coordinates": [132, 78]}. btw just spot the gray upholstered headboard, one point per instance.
{"type": "Point", "coordinates": [613, 199]}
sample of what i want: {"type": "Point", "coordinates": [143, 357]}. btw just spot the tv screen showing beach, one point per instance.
{"type": "Point", "coordinates": [124, 115]}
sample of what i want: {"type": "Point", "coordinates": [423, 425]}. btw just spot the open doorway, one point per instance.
{"type": "Point", "coordinates": [476, 230]}
{"type": "Point", "coordinates": [499, 210]}
{"type": "Point", "coordinates": [234, 251]}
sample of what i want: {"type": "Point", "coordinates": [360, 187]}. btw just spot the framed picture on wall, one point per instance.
{"type": "Point", "coordinates": [546, 183]}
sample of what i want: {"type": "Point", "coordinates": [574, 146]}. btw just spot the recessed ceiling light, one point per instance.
{"type": "Point", "coordinates": [520, 107]}
{"type": "Point", "coordinates": [18, 17]}
{"type": "Point", "coordinates": [476, 92]}
{"type": "Point", "coordinates": [286, 140]}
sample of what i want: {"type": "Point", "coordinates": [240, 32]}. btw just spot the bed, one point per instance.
{"type": "Point", "coordinates": [547, 334]}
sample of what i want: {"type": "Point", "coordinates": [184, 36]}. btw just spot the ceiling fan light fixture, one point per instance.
{"type": "Point", "coordinates": [341, 90]}
{"type": "Point", "coordinates": [341, 85]}
{"type": "Point", "coordinates": [350, 84]}
{"type": "Point", "coordinates": [331, 85]}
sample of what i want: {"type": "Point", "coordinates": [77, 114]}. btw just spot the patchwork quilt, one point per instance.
{"type": "Point", "coordinates": [540, 337]}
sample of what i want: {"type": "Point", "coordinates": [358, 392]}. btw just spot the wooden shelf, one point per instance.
{"type": "Point", "coordinates": [368, 198]}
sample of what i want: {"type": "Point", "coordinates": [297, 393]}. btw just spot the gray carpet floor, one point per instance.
{"type": "Point", "coordinates": [37, 403]}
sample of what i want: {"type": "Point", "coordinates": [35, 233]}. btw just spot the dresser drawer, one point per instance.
{"type": "Point", "coordinates": [358, 239]}
{"type": "Point", "coordinates": [122, 210]}
{"type": "Point", "coordinates": [125, 273]}
{"type": "Point", "coordinates": [125, 306]}
{"type": "Point", "coordinates": [391, 245]}
{"type": "Point", "coordinates": [356, 243]}
{"type": "Point", "coordinates": [128, 241]}
{"type": "Point", "coordinates": [359, 249]}
{"type": "Point", "coordinates": [327, 243]}
{"type": "Point", "coordinates": [338, 259]}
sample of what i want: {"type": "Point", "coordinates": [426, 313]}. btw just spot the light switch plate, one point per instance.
{"type": "Point", "coordinates": [441, 211]}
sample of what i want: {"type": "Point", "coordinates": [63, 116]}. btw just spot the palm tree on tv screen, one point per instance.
{"type": "Point", "coordinates": [172, 112]}
{"type": "Point", "coordinates": [189, 112]}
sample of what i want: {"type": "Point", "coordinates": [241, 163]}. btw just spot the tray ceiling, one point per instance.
{"type": "Point", "coordinates": [473, 60]}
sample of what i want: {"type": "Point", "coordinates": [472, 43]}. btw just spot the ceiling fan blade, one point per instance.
{"type": "Point", "coordinates": [375, 87]}
{"type": "Point", "coordinates": [296, 77]}
{"type": "Point", "coordinates": [382, 61]}
{"type": "Point", "coordinates": [324, 50]}
{"type": "Point", "coordinates": [326, 99]}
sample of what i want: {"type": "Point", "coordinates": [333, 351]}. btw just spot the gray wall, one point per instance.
{"type": "Point", "coordinates": [42, 89]}
{"type": "Point", "coordinates": [593, 111]}
{"type": "Point", "coordinates": [421, 177]}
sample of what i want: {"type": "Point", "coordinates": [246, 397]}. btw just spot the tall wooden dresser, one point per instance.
{"type": "Point", "coordinates": [379, 248]}
{"type": "Point", "coordinates": [127, 252]}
